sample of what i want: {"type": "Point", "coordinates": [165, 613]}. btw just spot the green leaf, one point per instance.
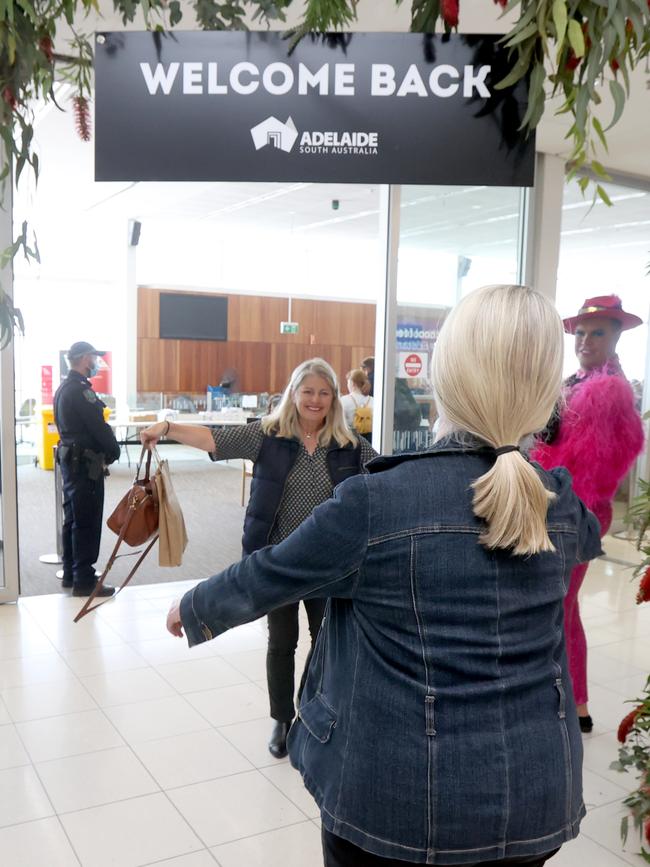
{"type": "Point", "coordinates": [624, 829]}
{"type": "Point", "coordinates": [560, 21]}
{"type": "Point", "coordinates": [600, 133]}
{"type": "Point", "coordinates": [599, 170]}
{"type": "Point", "coordinates": [618, 95]}
{"type": "Point", "coordinates": [536, 98]}
{"type": "Point", "coordinates": [518, 70]}
{"type": "Point", "coordinates": [603, 195]}
{"type": "Point", "coordinates": [523, 35]}
{"type": "Point", "coordinates": [576, 38]}
{"type": "Point", "coordinates": [583, 183]}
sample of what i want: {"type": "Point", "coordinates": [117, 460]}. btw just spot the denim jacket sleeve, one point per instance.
{"type": "Point", "coordinates": [587, 524]}
{"type": "Point", "coordinates": [323, 557]}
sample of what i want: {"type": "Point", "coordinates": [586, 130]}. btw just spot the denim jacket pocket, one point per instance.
{"type": "Point", "coordinates": [318, 718]}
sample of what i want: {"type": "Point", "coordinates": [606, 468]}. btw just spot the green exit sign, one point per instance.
{"type": "Point", "coordinates": [288, 328]}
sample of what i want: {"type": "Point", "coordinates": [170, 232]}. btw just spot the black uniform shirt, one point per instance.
{"type": "Point", "coordinates": [79, 417]}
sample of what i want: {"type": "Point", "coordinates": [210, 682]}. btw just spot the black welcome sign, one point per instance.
{"type": "Point", "coordinates": [358, 108]}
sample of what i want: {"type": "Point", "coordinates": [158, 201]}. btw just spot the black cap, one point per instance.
{"type": "Point", "coordinates": [82, 348]}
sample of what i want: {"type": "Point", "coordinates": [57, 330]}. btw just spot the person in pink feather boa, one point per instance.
{"type": "Point", "coordinates": [596, 434]}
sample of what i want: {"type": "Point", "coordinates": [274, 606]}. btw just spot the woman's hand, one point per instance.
{"type": "Point", "coordinates": [150, 435]}
{"type": "Point", "coordinates": [174, 623]}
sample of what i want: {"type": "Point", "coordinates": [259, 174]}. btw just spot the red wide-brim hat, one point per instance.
{"type": "Point", "coordinates": [603, 306]}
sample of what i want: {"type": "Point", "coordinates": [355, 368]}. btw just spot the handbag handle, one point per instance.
{"type": "Point", "coordinates": [147, 463]}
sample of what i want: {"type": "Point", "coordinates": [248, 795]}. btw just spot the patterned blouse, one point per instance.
{"type": "Point", "coordinates": [308, 483]}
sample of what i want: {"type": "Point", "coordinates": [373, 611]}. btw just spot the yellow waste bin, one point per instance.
{"type": "Point", "coordinates": [50, 437]}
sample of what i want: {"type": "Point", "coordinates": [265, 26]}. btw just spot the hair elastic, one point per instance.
{"type": "Point", "coordinates": [503, 450]}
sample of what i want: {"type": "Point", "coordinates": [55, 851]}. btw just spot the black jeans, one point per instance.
{"type": "Point", "coordinates": [83, 505]}
{"type": "Point", "coordinates": [338, 852]}
{"type": "Point", "coordinates": [280, 656]}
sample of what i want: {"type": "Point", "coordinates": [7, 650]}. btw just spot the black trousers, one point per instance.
{"type": "Point", "coordinates": [338, 852]}
{"type": "Point", "coordinates": [281, 654]}
{"type": "Point", "coordinates": [83, 507]}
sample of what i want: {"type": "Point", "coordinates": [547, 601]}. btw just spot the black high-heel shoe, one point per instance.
{"type": "Point", "coordinates": [586, 724]}
{"type": "Point", "coordinates": [278, 742]}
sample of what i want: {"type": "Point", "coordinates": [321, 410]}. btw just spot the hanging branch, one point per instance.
{"type": "Point", "coordinates": [566, 48]}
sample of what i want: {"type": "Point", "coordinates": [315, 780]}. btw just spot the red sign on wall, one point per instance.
{"type": "Point", "coordinates": [102, 382]}
{"type": "Point", "coordinates": [46, 384]}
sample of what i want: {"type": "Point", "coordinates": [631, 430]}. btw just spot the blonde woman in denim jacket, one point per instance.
{"type": "Point", "coordinates": [437, 724]}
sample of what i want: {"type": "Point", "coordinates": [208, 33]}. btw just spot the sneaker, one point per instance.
{"type": "Point", "coordinates": [87, 591]}
{"type": "Point", "coordinates": [66, 582]}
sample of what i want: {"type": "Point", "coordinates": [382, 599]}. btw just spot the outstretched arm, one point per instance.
{"type": "Point", "coordinates": [323, 557]}
{"type": "Point", "coordinates": [195, 435]}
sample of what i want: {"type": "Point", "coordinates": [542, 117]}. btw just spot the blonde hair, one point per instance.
{"type": "Point", "coordinates": [358, 378]}
{"type": "Point", "coordinates": [497, 373]}
{"type": "Point", "coordinates": [283, 421]}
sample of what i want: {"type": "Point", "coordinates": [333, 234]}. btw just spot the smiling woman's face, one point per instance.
{"type": "Point", "coordinates": [313, 399]}
{"type": "Point", "coordinates": [596, 341]}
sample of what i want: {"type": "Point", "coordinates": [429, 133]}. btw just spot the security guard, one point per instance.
{"type": "Point", "coordinates": [87, 446]}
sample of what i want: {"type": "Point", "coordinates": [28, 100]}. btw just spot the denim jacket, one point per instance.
{"type": "Point", "coordinates": [437, 723]}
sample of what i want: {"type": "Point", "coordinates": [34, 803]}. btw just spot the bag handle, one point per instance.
{"type": "Point", "coordinates": [147, 463]}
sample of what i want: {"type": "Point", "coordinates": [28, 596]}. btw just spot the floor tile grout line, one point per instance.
{"type": "Point", "coordinates": [622, 854]}
{"type": "Point", "coordinates": [305, 821]}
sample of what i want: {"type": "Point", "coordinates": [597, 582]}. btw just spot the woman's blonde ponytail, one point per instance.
{"type": "Point", "coordinates": [497, 373]}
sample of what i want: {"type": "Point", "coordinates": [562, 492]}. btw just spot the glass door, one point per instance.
{"type": "Point", "coordinates": [451, 240]}
{"type": "Point", "coordinates": [8, 509]}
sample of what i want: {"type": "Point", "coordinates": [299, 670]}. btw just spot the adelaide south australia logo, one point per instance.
{"type": "Point", "coordinates": [283, 136]}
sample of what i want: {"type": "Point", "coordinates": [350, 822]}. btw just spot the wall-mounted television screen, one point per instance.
{"type": "Point", "coordinates": [193, 317]}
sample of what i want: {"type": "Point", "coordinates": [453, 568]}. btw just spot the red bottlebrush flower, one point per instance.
{"type": "Point", "coordinates": [504, 3]}
{"type": "Point", "coordinates": [449, 10]}
{"type": "Point", "coordinates": [626, 725]}
{"type": "Point", "coordinates": [82, 117]}
{"type": "Point", "coordinates": [573, 62]}
{"type": "Point", "coordinates": [647, 824]}
{"type": "Point", "coordinates": [45, 44]}
{"type": "Point", "coordinates": [644, 587]}
{"type": "Point", "coordinates": [10, 98]}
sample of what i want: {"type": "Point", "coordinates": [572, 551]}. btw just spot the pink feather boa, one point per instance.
{"type": "Point", "coordinates": [600, 435]}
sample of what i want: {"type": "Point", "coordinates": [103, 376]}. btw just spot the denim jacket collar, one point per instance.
{"type": "Point", "coordinates": [463, 443]}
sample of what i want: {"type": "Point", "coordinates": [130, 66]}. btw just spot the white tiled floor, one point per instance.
{"type": "Point", "coordinates": [119, 747]}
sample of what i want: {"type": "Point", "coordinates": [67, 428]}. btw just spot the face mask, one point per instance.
{"type": "Point", "coordinates": [93, 370]}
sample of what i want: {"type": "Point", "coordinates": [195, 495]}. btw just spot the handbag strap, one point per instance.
{"type": "Point", "coordinates": [88, 606]}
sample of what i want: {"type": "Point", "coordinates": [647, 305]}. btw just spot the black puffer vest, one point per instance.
{"type": "Point", "coordinates": [275, 460]}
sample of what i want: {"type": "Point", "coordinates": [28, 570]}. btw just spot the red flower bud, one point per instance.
{"type": "Point", "coordinates": [504, 3]}
{"type": "Point", "coordinates": [82, 117]}
{"type": "Point", "coordinates": [449, 10]}
{"type": "Point", "coordinates": [626, 725]}
{"type": "Point", "coordinates": [647, 824]}
{"type": "Point", "coordinates": [10, 98]}
{"type": "Point", "coordinates": [45, 44]}
{"type": "Point", "coordinates": [644, 587]}
{"type": "Point", "coordinates": [573, 62]}
{"type": "Point", "coordinates": [614, 64]}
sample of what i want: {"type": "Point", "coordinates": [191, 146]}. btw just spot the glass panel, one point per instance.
{"type": "Point", "coordinates": [452, 240]}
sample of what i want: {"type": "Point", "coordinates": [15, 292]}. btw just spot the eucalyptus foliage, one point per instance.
{"type": "Point", "coordinates": [565, 47]}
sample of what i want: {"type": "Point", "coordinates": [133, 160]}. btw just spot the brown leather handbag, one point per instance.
{"type": "Point", "coordinates": [135, 520]}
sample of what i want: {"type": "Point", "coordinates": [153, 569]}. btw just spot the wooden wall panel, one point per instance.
{"type": "Point", "coordinates": [148, 312]}
{"type": "Point", "coordinates": [342, 333]}
{"type": "Point", "coordinates": [158, 365]}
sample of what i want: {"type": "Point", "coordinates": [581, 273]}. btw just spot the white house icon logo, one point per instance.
{"type": "Point", "coordinates": [275, 133]}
